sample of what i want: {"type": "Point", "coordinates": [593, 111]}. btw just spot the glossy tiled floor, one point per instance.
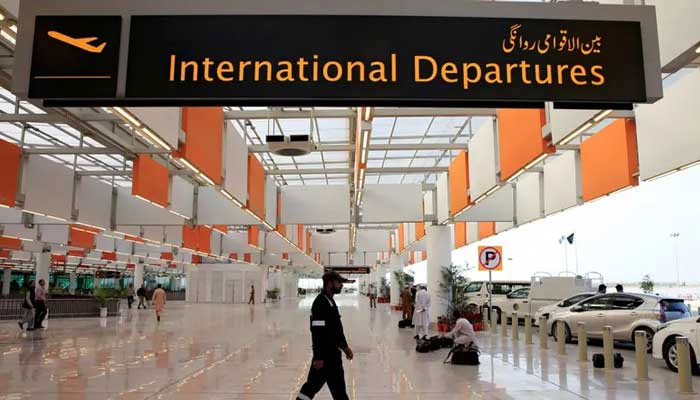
{"type": "Point", "coordinates": [212, 351]}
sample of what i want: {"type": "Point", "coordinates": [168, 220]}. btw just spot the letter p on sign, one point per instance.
{"type": "Point", "coordinates": [490, 258]}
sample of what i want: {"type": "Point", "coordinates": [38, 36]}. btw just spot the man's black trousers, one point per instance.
{"type": "Point", "coordinates": [332, 374]}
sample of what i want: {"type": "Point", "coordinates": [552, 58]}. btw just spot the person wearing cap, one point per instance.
{"type": "Point", "coordinates": [328, 340]}
{"type": "Point", "coordinates": [421, 315]}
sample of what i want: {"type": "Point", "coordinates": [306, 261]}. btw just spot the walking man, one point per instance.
{"type": "Point", "coordinates": [130, 295]}
{"type": "Point", "coordinates": [141, 292]}
{"type": "Point", "coordinates": [159, 300]}
{"type": "Point", "coordinates": [372, 296]}
{"type": "Point", "coordinates": [40, 304]}
{"type": "Point", "coordinates": [28, 305]}
{"type": "Point", "coordinates": [252, 295]}
{"type": "Point", "coordinates": [421, 316]}
{"type": "Point", "coordinates": [328, 340]}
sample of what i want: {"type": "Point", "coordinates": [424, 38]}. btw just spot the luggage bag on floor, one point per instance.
{"type": "Point", "coordinates": [404, 323]}
{"type": "Point", "coordinates": [423, 346]}
{"type": "Point", "coordinates": [462, 355]}
{"type": "Point", "coordinates": [599, 360]}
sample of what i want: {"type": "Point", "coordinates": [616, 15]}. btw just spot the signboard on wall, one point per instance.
{"type": "Point", "coordinates": [349, 270]}
{"type": "Point", "coordinates": [342, 59]}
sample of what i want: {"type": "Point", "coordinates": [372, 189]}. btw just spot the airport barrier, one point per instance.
{"type": "Point", "coordinates": [514, 326]}
{"type": "Point", "coordinates": [543, 332]}
{"type": "Point", "coordinates": [561, 338]}
{"type": "Point", "coordinates": [60, 308]}
{"type": "Point", "coordinates": [582, 342]}
{"type": "Point", "coordinates": [528, 329]}
{"type": "Point", "coordinates": [608, 346]}
{"type": "Point", "coordinates": [640, 355]}
{"type": "Point", "coordinates": [685, 383]}
{"type": "Point", "coordinates": [504, 324]}
{"type": "Point", "coordinates": [485, 319]}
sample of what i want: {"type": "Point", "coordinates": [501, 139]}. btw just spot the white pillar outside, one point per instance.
{"type": "Point", "coordinates": [439, 244]}
{"type": "Point", "coordinates": [264, 283]}
{"type": "Point", "coordinates": [6, 276]}
{"type": "Point", "coordinates": [138, 276]}
{"type": "Point", "coordinates": [395, 289]}
{"type": "Point", "coordinates": [43, 263]}
{"type": "Point", "coordinates": [73, 282]}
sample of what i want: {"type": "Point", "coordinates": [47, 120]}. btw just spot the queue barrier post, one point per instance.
{"type": "Point", "coordinates": [582, 342]}
{"type": "Point", "coordinates": [640, 354]}
{"type": "Point", "coordinates": [504, 324]}
{"type": "Point", "coordinates": [514, 326]}
{"type": "Point", "coordinates": [685, 383]}
{"type": "Point", "coordinates": [494, 322]}
{"type": "Point", "coordinates": [528, 329]}
{"type": "Point", "coordinates": [485, 319]}
{"type": "Point", "coordinates": [543, 332]}
{"type": "Point", "coordinates": [561, 339]}
{"type": "Point", "coordinates": [608, 346]}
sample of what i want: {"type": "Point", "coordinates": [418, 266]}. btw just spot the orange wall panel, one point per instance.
{"type": "Point", "coordinates": [81, 238]}
{"type": "Point", "coordinates": [460, 234]}
{"type": "Point", "coordinates": [10, 155]}
{"type": "Point", "coordinates": [420, 230]}
{"type": "Point", "coordinates": [150, 180]}
{"type": "Point", "coordinates": [486, 229]}
{"type": "Point", "coordinates": [189, 237]}
{"type": "Point", "coordinates": [256, 186]}
{"type": "Point", "coordinates": [204, 239]}
{"type": "Point", "coordinates": [520, 138]}
{"type": "Point", "coordinates": [204, 127]}
{"type": "Point", "coordinates": [401, 238]}
{"type": "Point", "coordinates": [609, 160]}
{"type": "Point", "coordinates": [459, 182]}
{"type": "Point", "coordinates": [254, 236]}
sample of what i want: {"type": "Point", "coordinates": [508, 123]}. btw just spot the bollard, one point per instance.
{"type": "Point", "coordinates": [543, 332]}
{"type": "Point", "coordinates": [504, 324]}
{"type": "Point", "coordinates": [528, 329]}
{"type": "Point", "coordinates": [494, 322]}
{"type": "Point", "coordinates": [608, 346]}
{"type": "Point", "coordinates": [514, 326]}
{"type": "Point", "coordinates": [640, 354]}
{"type": "Point", "coordinates": [561, 339]}
{"type": "Point", "coordinates": [484, 320]}
{"type": "Point", "coordinates": [685, 384]}
{"type": "Point", "coordinates": [582, 342]}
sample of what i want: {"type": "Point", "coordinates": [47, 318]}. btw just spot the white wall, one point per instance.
{"type": "Point", "coordinates": [208, 283]}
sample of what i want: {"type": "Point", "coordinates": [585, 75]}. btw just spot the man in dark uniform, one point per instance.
{"type": "Point", "coordinates": [328, 340]}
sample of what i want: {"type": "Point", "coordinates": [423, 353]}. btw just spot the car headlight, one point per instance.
{"type": "Point", "coordinates": [662, 326]}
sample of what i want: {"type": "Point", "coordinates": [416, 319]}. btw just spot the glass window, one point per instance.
{"type": "Point", "coordinates": [598, 303]}
{"type": "Point", "coordinates": [501, 288]}
{"type": "Point", "coordinates": [674, 306]}
{"type": "Point", "coordinates": [626, 302]}
{"type": "Point", "coordinates": [520, 293]}
{"type": "Point", "coordinates": [474, 287]}
{"type": "Point", "coordinates": [574, 299]}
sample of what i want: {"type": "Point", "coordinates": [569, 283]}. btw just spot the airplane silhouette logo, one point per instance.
{"type": "Point", "coordinates": [81, 43]}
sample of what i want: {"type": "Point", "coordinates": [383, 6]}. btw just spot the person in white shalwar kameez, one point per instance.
{"type": "Point", "coordinates": [463, 332]}
{"type": "Point", "coordinates": [421, 316]}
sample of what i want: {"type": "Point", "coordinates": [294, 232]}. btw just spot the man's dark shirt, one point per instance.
{"type": "Point", "coordinates": [326, 329]}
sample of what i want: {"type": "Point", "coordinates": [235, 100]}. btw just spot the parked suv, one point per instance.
{"type": "Point", "coordinates": [627, 313]}
{"type": "Point", "coordinates": [665, 341]}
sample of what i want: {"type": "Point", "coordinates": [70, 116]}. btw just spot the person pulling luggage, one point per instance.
{"type": "Point", "coordinates": [463, 332]}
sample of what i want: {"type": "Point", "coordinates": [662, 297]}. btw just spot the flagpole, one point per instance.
{"type": "Point", "coordinates": [576, 251]}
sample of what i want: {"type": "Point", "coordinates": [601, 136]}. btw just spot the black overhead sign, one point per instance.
{"type": "Point", "coordinates": [367, 60]}
{"type": "Point", "coordinates": [350, 270]}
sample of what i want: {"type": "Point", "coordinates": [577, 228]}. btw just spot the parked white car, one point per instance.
{"type": "Point", "coordinates": [665, 341]}
{"type": "Point", "coordinates": [553, 309]}
{"type": "Point", "coordinates": [479, 295]}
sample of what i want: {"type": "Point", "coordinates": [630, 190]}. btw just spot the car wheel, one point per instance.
{"type": "Point", "coordinates": [650, 337]}
{"type": "Point", "coordinates": [567, 331]}
{"type": "Point", "coordinates": [670, 353]}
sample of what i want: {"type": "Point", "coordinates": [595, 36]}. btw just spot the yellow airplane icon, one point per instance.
{"type": "Point", "coordinates": [81, 43]}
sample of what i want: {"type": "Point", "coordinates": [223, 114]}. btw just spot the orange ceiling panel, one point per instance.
{"type": "Point", "coordinates": [247, 257]}
{"type": "Point", "coordinates": [486, 229]}
{"type": "Point", "coordinates": [609, 160]}
{"type": "Point", "coordinates": [254, 236]}
{"type": "Point", "coordinates": [223, 229]}
{"type": "Point", "coordinates": [460, 234]}
{"type": "Point", "coordinates": [77, 253]}
{"type": "Point", "coordinates": [134, 239]}
{"type": "Point", "coordinates": [10, 156]}
{"type": "Point", "coordinates": [411, 257]}
{"type": "Point", "coordinates": [81, 238]}
{"type": "Point", "coordinates": [282, 229]}
{"type": "Point", "coordinates": [424, 255]}
{"type": "Point", "coordinates": [189, 237]}
{"type": "Point", "coordinates": [204, 128]}
{"type": "Point", "coordinates": [166, 256]}
{"type": "Point", "coordinates": [150, 180]}
{"type": "Point", "coordinates": [420, 230]}
{"type": "Point", "coordinates": [233, 256]}
{"type": "Point", "coordinates": [300, 236]}
{"type": "Point", "coordinates": [401, 238]}
{"type": "Point", "coordinates": [520, 138]}
{"type": "Point", "coordinates": [196, 259]}
{"type": "Point", "coordinates": [308, 242]}
{"type": "Point", "coordinates": [10, 243]}
{"type": "Point", "coordinates": [256, 186]}
{"type": "Point", "coordinates": [109, 256]}
{"type": "Point", "coordinates": [459, 182]}
{"type": "Point", "coordinates": [204, 239]}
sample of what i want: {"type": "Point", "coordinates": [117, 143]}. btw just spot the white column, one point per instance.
{"type": "Point", "coordinates": [6, 276]}
{"type": "Point", "coordinates": [138, 276]}
{"type": "Point", "coordinates": [97, 281]}
{"type": "Point", "coordinates": [439, 243]}
{"type": "Point", "coordinates": [43, 263]}
{"type": "Point", "coordinates": [73, 277]}
{"type": "Point", "coordinates": [395, 289]}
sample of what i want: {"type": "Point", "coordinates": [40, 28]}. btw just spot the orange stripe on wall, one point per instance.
{"type": "Point", "coordinates": [10, 156]}
{"type": "Point", "coordinates": [459, 182]}
{"type": "Point", "coordinates": [460, 234]}
{"type": "Point", "coordinates": [203, 147]}
{"type": "Point", "coordinates": [486, 229]}
{"type": "Point", "coordinates": [520, 138]}
{"type": "Point", "coordinates": [150, 180]}
{"type": "Point", "coordinates": [609, 160]}
{"type": "Point", "coordinates": [256, 186]}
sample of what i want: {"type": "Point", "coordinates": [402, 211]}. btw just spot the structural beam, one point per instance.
{"type": "Point", "coordinates": [348, 113]}
{"type": "Point", "coordinates": [87, 150]}
{"type": "Point", "coordinates": [388, 147]}
{"type": "Point", "coordinates": [369, 171]}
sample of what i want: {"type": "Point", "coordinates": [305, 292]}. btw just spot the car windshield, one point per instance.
{"type": "Point", "coordinates": [474, 287]}
{"type": "Point", "coordinates": [574, 299]}
{"type": "Point", "coordinates": [675, 307]}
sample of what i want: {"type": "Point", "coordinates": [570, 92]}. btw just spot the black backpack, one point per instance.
{"type": "Point", "coordinates": [423, 346]}
{"type": "Point", "coordinates": [599, 360]}
{"type": "Point", "coordinates": [464, 355]}
{"type": "Point", "coordinates": [404, 323]}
